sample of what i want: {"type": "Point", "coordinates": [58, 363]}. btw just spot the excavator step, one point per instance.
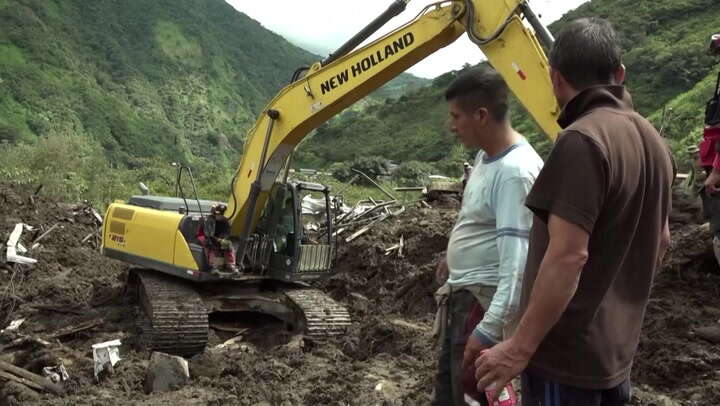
{"type": "Point", "coordinates": [321, 315]}
{"type": "Point", "coordinates": [175, 318]}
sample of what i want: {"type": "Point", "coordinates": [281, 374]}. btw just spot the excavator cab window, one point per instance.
{"type": "Point", "coordinates": [313, 218]}
{"type": "Point", "coordinates": [285, 230]}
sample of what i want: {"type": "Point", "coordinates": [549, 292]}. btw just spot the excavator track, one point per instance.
{"type": "Point", "coordinates": [175, 318]}
{"type": "Point", "coordinates": [321, 316]}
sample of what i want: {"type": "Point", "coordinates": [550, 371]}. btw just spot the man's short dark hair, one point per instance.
{"type": "Point", "coordinates": [586, 53]}
{"type": "Point", "coordinates": [480, 87]}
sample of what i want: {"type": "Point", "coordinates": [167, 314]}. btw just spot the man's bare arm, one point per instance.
{"type": "Point", "coordinates": [554, 287]}
{"type": "Point", "coordinates": [556, 282]}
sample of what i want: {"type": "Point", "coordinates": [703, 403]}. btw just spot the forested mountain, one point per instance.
{"type": "Point", "coordinates": [664, 42]}
{"type": "Point", "coordinates": [98, 95]}
{"type": "Point", "coordinates": [135, 84]}
{"type": "Point", "coordinates": [143, 78]}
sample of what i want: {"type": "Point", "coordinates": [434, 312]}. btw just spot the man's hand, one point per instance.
{"type": "Point", "coordinates": [498, 366]}
{"type": "Point", "coordinates": [442, 272]}
{"type": "Point", "coordinates": [712, 183]}
{"type": "Point", "coordinates": [473, 347]}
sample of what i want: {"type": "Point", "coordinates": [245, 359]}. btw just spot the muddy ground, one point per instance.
{"type": "Point", "coordinates": [387, 357]}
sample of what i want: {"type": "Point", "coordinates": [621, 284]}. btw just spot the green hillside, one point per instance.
{"type": "Point", "coordinates": [113, 91]}
{"type": "Point", "coordinates": [664, 43]}
{"type": "Point", "coordinates": [96, 96]}
{"type": "Point", "coordinates": [143, 79]}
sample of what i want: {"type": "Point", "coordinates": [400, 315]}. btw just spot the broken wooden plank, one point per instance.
{"type": "Point", "coordinates": [77, 328]}
{"type": "Point", "coordinates": [410, 189]}
{"type": "Point", "coordinates": [97, 216]}
{"type": "Point", "coordinates": [44, 383]}
{"type": "Point", "coordinates": [402, 245]}
{"type": "Point", "coordinates": [367, 228]}
{"type": "Point", "coordinates": [87, 237]}
{"type": "Point", "coordinates": [58, 309]}
{"type": "Point", "coordinates": [18, 342]}
{"type": "Point", "coordinates": [30, 384]}
{"type": "Point", "coordinates": [54, 226]}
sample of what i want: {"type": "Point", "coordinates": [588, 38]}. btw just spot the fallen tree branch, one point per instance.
{"type": "Point", "coordinates": [44, 384]}
{"type": "Point", "coordinates": [87, 237]}
{"type": "Point", "coordinates": [23, 341]}
{"type": "Point", "coordinates": [56, 309]}
{"type": "Point", "coordinates": [30, 384]}
{"type": "Point", "coordinates": [77, 328]}
{"type": "Point", "coordinates": [46, 232]}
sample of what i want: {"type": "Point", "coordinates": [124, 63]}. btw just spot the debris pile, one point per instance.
{"type": "Point", "coordinates": [52, 312]}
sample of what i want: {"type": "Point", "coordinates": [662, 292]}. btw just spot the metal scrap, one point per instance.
{"type": "Point", "coordinates": [56, 374]}
{"type": "Point", "coordinates": [397, 247]}
{"type": "Point", "coordinates": [12, 254]}
{"type": "Point", "coordinates": [374, 223]}
{"type": "Point", "coordinates": [388, 194]}
{"type": "Point", "coordinates": [105, 356]}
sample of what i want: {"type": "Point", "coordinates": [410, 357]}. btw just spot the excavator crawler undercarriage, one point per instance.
{"type": "Point", "coordinates": [175, 312]}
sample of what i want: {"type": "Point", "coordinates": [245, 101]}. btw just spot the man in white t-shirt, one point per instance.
{"type": "Point", "coordinates": [488, 245]}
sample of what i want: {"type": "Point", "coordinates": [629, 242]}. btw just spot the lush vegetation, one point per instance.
{"type": "Point", "coordinates": [98, 96]}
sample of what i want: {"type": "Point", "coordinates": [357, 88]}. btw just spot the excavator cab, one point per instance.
{"type": "Point", "coordinates": [297, 232]}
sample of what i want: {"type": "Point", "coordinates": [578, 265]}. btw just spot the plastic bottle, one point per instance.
{"type": "Point", "coordinates": [507, 397]}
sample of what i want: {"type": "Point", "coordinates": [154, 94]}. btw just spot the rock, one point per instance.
{"type": "Point", "coordinates": [13, 393]}
{"type": "Point", "coordinates": [666, 401]}
{"type": "Point", "coordinates": [359, 303]}
{"type": "Point", "coordinates": [208, 364]}
{"type": "Point", "coordinates": [709, 333]}
{"type": "Point", "coordinates": [295, 346]}
{"type": "Point", "coordinates": [166, 373]}
{"type": "Point", "coordinates": [410, 326]}
{"type": "Point", "coordinates": [711, 310]}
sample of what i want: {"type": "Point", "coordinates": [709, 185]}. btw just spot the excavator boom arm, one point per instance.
{"type": "Point", "coordinates": [511, 48]}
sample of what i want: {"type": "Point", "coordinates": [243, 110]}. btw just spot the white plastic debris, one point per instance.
{"type": "Point", "coordinates": [12, 246]}
{"type": "Point", "coordinates": [56, 374]}
{"type": "Point", "coordinates": [105, 356]}
{"type": "Point", "coordinates": [14, 325]}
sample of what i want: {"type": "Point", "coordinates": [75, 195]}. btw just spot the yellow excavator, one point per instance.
{"type": "Point", "coordinates": [159, 235]}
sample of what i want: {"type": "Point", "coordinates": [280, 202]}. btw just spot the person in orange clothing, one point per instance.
{"type": "Point", "coordinates": [214, 236]}
{"type": "Point", "coordinates": [709, 155]}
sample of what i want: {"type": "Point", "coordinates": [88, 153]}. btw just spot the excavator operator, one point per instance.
{"type": "Point", "coordinates": [214, 236]}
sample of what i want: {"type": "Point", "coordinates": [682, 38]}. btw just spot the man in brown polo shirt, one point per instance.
{"type": "Point", "coordinates": [600, 230]}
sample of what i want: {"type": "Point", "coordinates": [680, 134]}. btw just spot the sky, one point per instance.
{"type": "Point", "coordinates": [321, 26]}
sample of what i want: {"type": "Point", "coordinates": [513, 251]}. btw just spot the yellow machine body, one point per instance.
{"type": "Point", "coordinates": [152, 238]}
{"type": "Point", "coordinates": [148, 237]}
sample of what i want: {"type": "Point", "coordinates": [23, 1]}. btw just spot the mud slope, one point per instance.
{"type": "Point", "coordinates": [386, 358]}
